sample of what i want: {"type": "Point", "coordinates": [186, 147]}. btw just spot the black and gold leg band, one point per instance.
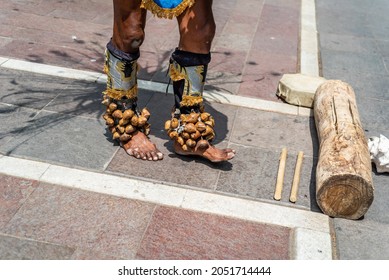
{"type": "Point", "coordinates": [190, 125]}
{"type": "Point", "coordinates": [188, 72]}
{"type": "Point", "coordinates": [120, 98]}
{"type": "Point", "coordinates": [121, 69]}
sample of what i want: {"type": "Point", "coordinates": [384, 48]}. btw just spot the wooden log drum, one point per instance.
{"type": "Point", "coordinates": [344, 187]}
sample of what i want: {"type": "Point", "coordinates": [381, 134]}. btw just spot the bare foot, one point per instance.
{"type": "Point", "coordinates": [142, 148]}
{"type": "Point", "coordinates": [211, 153]}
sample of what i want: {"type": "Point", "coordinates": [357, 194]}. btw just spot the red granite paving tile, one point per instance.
{"type": "Point", "coordinates": [279, 21]}
{"type": "Point", "coordinates": [65, 27]}
{"type": "Point", "coordinates": [13, 193]}
{"type": "Point", "coordinates": [262, 62]}
{"type": "Point", "coordinates": [221, 18]}
{"type": "Point", "coordinates": [227, 61]}
{"type": "Point", "coordinates": [152, 63]}
{"type": "Point", "coordinates": [289, 4]}
{"type": "Point", "coordinates": [234, 41]}
{"type": "Point", "coordinates": [7, 31]}
{"type": "Point", "coordinates": [90, 41]}
{"type": "Point", "coordinates": [224, 76]}
{"type": "Point", "coordinates": [242, 27]}
{"type": "Point", "coordinates": [228, 5]}
{"type": "Point", "coordinates": [46, 36]}
{"type": "Point", "coordinates": [278, 31]}
{"type": "Point", "coordinates": [250, 8]}
{"type": "Point", "coordinates": [89, 59]}
{"type": "Point", "coordinates": [65, 7]}
{"type": "Point", "coordinates": [263, 72]}
{"type": "Point", "coordinates": [82, 219]}
{"type": "Point", "coordinates": [260, 86]}
{"type": "Point", "coordinates": [236, 33]}
{"type": "Point", "coordinates": [36, 22]}
{"type": "Point", "coordinates": [225, 70]}
{"type": "Point", "coordinates": [244, 19]}
{"type": "Point", "coordinates": [160, 34]}
{"type": "Point", "coordinates": [4, 41]}
{"type": "Point", "coordinates": [73, 13]}
{"type": "Point", "coordinates": [148, 65]}
{"type": "Point", "coordinates": [81, 10]}
{"type": "Point", "coordinates": [276, 44]}
{"type": "Point", "coordinates": [104, 18]}
{"type": "Point", "coordinates": [33, 7]}
{"type": "Point", "coordinates": [222, 82]}
{"type": "Point", "coordinates": [182, 234]}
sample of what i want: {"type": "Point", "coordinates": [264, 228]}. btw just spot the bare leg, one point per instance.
{"type": "Point", "coordinates": [128, 26]}
{"type": "Point", "coordinates": [128, 35]}
{"type": "Point", "coordinates": [197, 27]}
{"type": "Point", "coordinates": [197, 30]}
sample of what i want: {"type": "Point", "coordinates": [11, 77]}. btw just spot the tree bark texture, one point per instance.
{"type": "Point", "coordinates": [344, 186]}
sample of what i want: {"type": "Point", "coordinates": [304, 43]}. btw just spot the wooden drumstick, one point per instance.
{"type": "Point", "coordinates": [281, 173]}
{"type": "Point", "coordinates": [296, 178]}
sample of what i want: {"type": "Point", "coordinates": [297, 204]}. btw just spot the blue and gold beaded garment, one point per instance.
{"type": "Point", "coordinates": [167, 8]}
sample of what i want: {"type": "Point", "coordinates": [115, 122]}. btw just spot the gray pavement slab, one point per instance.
{"type": "Point", "coordinates": [28, 90]}
{"type": "Point", "coordinates": [254, 175]}
{"type": "Point", "coordinates": [79, 99]}
{"type": "Point", "coordinates": [269, 130]}
{"type": "Point", "coordinates": [16, 248]}
{"type": "Point", "coordinates": [362, 240]}
{"type": "Point", "coordinates": [374, 113]}
{"type": "Point", "coordinates": [347, 18]}
{"type": "Point", "coordinates": [358, 64]}
{"type": "Point", "coordinates": [64, 139]}
{"type": "Point", "coordinates": [378, 211]}
{"type": "Point", "coordinates": [349, 43]}
{"type": "Point", "coordinates": [173, 169]}
{"type": "Point", "coordinates": [15, 121]}
{"type": "Point", "coordinates": [372, 86]}
{"type": "Point", "coordinates": [383, 46]}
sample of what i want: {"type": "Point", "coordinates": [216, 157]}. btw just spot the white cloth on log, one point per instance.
{"type": "Point", "coordinates": [379, 152]}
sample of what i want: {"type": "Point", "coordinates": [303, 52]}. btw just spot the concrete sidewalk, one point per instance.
{"type": "Point", "coordinates": [60, 126]}
{"type": "Point", "coordinates": [68, 192]}
{"type": "Point", "coordinates": [151, 210]}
